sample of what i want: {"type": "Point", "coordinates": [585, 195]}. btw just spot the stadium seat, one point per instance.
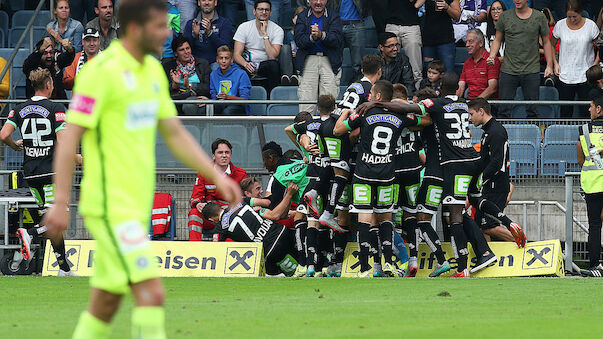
{"type": "Point", "coordinates": [558, 158]}
{"type": "Point", "coordinates": [21, 18]}
{"type": "Point", "coordinates": [284, 93]}
{"type": "Point", "coordinates": [16, 5]}
{"type": "Point", "coordinates": [282, 109]}
{"type": "Point", "coordinates": [461, 55]}
{"type": "Point", "coordinates": [346, 68]}
{"type": "Point", "coordinates": [14, 34]}
{"type": "Point", "coordinates": [18, 78]}
{"type": "Point", "coordinates": [524, 132]}
{"type": "Point", "coordinates": [272, 132]}
{"type": "Point", "coordinates": [370, 50]}
{"type": "Point", "coordinates": [236, 134]}
{"type": "Point", "coordinates": [4, 23]}
{"type": "Point", "coordinates": [524, 158]}
{"type": "Point", "coordinates": [163, 156]}
{"type": "Point", "coordinates": [476, 134]}
{"type": "Point", "coordinates": [544, 111]}
{"type": "Point", "coordinates": [13, 159]}
{"type": "Point", "coordinates": [561, 133]}
{"type": "Point", "coordinates": [257, 93]}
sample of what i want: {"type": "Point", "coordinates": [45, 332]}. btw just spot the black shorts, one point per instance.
{"type": "Point", "coordinates": [499, 199]}
{"type": "Point", "coordinates": [42, 189]}
{"type": "Point", "coordinates": [276, 248]}
{"type": "Point", "coordinates": [430, 192]}
{"type": "Point", "coordinates": [406, 187]}
{"type": "Point", "coordinates": [460, 180]}
{"type": "Point", "coordinates": [372, 196]}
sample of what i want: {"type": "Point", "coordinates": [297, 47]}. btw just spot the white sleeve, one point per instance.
{"type": "Point", "coordinates": [278, 35]}
{"type": "Point", "coordinates": [241, 34]}
{"type": "Point", "coordinates": [557, 29]}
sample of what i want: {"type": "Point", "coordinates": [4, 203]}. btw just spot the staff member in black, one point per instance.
{"type": "Point", "coordinates": [494, 155]}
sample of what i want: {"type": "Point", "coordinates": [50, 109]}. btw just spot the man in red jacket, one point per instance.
{"type": "Point", "coordinates": [205, 191]}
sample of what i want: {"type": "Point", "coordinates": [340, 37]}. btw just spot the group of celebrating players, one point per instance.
{"type": "Point", "coordinates": [364, 157]}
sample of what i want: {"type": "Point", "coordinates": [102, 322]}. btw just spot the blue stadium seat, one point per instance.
{"type": "Point", "coordinates": [558, 158]}
{"type": "Point", "coordinates": [524, 158]}
{"type": "Point", "coordinates": [14, 34]}
{"type": "Point", "coordinates": [524, 132]}
{"type": "Point", "coordinates": [272, 132]}
{"type": "Point", "coordinates": [16, 5]}
{"type": "Point", "coordinates": [163, 156]}
{"type": "Point", "coordinates": [17, 75]}
{"type": "Point", "coordinates": [4, 23]}
{"type": "Point", "coordinates": [544, 111]}
{"type": "Point", "coordinates": [276, 132]}
{"type": "Point", "coordinates": [257, 93]}
{"type": "Point", "coordinates": [21, 18]}
{"type": "Point", "coordinates": [3, 37]}
{"type": "Point", "coordinates": [461, 55]}
{"type": "Point", "coordinates": [13, 159]}
{"type": "Point", "coordinates": [235, 133]}
{"type": "Point", "coordinates": [282, 109]}
{"type": "Point", "coordinates": [346, 68]}
{"type": "Point", "coordinates": [284, 93]}
{"type": "Point", "coordinates": [370, 50]}
{"type": "Point", "coordinates": [561, 133]}
{"type": "Point", "coordinates": [476, 134]}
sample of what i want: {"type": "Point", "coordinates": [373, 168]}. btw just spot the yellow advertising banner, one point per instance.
{"type": "Point", "coordinates": [174, 258]}
{"type": "Point", "coordinates": [540, 258]}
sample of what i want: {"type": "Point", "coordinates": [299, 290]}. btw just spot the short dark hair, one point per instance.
{"type": "Point", "coordinates": [598, 101]}
{"type": "Point", "coordinates": [385, 88]}
{"type": "Point", "coordinates": [179, 41]}
{"type": "Point", "coordinates": [272, 149]}
{"type": "Point", "coordinates": [450, 83]}
{"type": "Point", "coordinates": [478, 103]}
{"type": "Point", "coordinates": [218, 142]}
{"type": "Point", "coordinates": [257, 2]}
{"type": "Point", "coordinates": [400, 92]}
{"type": "Point", "coordinates": [302, 116]}
{"type": "Point", "coordinates": [137, 11]}
{"type": "Point", "coordinates": [437, 65]}
{"type": "Point", "coordinates": [383, 37]}
{"type": "Point", "coordinates": [326, 103]}
{"type": "Point", "coordinates": [594, 74]}
{"type": "Point", "coordinates": [293, 154]}
{"type": "Point", "coordinates": [211, 210]}
{"type": "Point", "coordinates": [247, 182]}
{"type": "Point", "coordinates": [96, 3]}
{"type": "Point", "coordinates": [371, 64]}
{"type": "Point", "coordinates": [426, 93]}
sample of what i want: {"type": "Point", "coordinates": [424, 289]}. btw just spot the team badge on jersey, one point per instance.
{"type": "Point", "coordinates": [427, 102]}
{"type": "Point", "coordinates": [11, 114]}
{"type": "Point", "coordinates": [357, 87]}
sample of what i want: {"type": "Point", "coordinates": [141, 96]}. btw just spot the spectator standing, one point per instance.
{"type": "Point", "coordinates": [319, 38]}
{"type": "Point", "coordinates": [105, 23]}
{"type": "Point", "coordinates": [207, 31]}
{"type": "Point", "coordinates": [188, 76]}
{"type": "Point", "coordinates": [82, 10]}
{"type": "Point", "coordinates": [205, 191]}
{"type": "Point", "coordinates": [589, 152]}
{"type": "Point", "coordinates": [600, 26]}
{"type": "Point", "coordinates": [64, 27]}
{"type": "Point", "coordinates": [290, 75]}
{"type": "Point", "coordinates": [438, 34]}
{"type": "Point", "coordinates": [404, 22]}
{"type": "Point", "coordinates": [396, 66]}
{"type": "Point", "coordinates": [257, 45]}
{"type": "Point", "coordinates": [577, 36]}
{"type": "Point", "coordinates": [478, 77]}
{"type": "Point", "coordinates": [489, 28]}
{"type": "Point", "coordinates": [45, 56]}
{"type": "Point", "coordinates": [521, 28]}
{"type": "Point", "coordinates": [174, 24]}
{"type": "Point", "coordinates": [473, 13]}
{"type": "Point", "coordinates": [352, 14]}
{"type": "Point", "coordinates": [188, 10]}
{"type": "Point", "coordinates": [91, 42]}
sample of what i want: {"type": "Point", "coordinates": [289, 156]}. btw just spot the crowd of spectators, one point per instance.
{"type": "Point", "coordinates": [217, 53]}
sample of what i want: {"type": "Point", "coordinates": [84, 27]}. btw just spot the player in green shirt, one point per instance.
{"type": "Point", "coordinates": [120, 99]}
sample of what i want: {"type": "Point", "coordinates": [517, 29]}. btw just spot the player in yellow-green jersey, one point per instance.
{"type": "Point", "coordinates": [120, 99]}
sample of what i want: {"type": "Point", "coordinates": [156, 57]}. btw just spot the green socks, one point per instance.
{"type": "Point", "coordinates": [148, 322]}
{"type": "Point", "coordinates": [91, 327]}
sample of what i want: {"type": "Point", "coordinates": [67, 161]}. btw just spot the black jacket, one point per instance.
{"type": "Point", "coordinates": [332, 41]}
{"type": "Point", "coordinates": [203, 70]}
{"type": "Point", "coordinates": [61, 60]}
{"type": "Point", "coordinates": [494, 153]}
{"type": "Point", "coordinates": [399, 71]}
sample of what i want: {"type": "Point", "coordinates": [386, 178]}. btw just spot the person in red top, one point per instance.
{"type": "Point", "coordinates": [478, 76]}
{"type": "Point", "coordinates": [205, 191]}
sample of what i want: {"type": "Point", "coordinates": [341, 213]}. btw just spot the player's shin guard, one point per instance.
{"type": "Point", "coordinates": [336, 191]}
{"type": "Point", "coordinates": [312, 246]}
{"type": "Point", "coordinates": [340, 240]}
{"type": "Point", "coordinates": [301, 227]}
{"type": "Point", "coordinates": [458, 241]}
{"type": "Point", "coordinates": [432, 240]}
{"type": "Point", "coordinates": [374, 241]}
{"type": "Point", "coordinates": [58, 247]}
{"type": "Point", "coordinates": [475, 236]}
{"type": "Point", "coordinates": [386, 234]}
{"type": "Point", "coordinates": [409, 225]}
{"type": "Point", "coordinates": [324, 243]}
{"type": "Point", "coordinates": [148, 322]}
{"type": "Point", "coordinates": [88, 326]}
{"type": "Point", "coordinates": [364, 245]}
{"type": "Point", "coordinates": [493, 211]}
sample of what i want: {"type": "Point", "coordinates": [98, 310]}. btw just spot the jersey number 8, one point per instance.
{"type": "Point", "coordinates": [382, 137]}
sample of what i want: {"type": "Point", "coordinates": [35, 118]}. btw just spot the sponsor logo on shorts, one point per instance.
{"type": "Point", "coordinates": [131, 236]}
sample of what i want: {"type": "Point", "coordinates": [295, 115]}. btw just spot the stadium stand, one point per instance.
{"type": "Point", "coordinates": [476, 134]}
{"type": "Point", "coordinates": [283, 93]}
{"type": "Point", "coordinates": [4, 22]}
{"type": "Point", "coordinates": [559, 150]}
{"type": "Point", "coordinates": [14, 34]}
{"type": "Point", "coordinates": [257, 93]}
{"type": "Point", "coordinates": [21, 18]}
{"type": "Point", "coordinates": [544, 111]}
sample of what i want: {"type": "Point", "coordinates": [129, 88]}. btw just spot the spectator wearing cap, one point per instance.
{"type": "Point", "coordinates": [64, 27]}
{"type": "Point", "coordinates": [480, 78]}
{"type": "Point", "coordinates": [207, 31]}
{"type": "Point", "coordinates": [46, 56]}
{"type": "Point", "coordinates": [105, 23]}
{"type": "Point", "coordinates": [319, 38]}
{"type": "Point", "coordinates": [396, 65]}
{"type": "Point", "coordinates": [91, 42]}
{"type": "Point", "coordinates": [257, 45]}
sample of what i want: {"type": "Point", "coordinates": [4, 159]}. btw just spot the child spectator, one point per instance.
{"type": "Point", "coordinates": [434, 76]}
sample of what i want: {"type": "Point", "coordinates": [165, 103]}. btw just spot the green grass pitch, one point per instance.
{"type": "Point", "coordinates": [48, 307]}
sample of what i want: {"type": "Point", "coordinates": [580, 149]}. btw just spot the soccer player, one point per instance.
{"type": "Point", "coordinates": [120, 100]}
{"type": "Point", "coordinates": [494, 153]}
{"type": "Point", "coordinates": [42, 123]}
{"type": "Point", "coordinates": [372, 184]}
{"type": "Point", "coordinates": [242, 223]}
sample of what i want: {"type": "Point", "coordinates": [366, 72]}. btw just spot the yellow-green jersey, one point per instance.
{"type": "Point", "coordinates": [119, 101]}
